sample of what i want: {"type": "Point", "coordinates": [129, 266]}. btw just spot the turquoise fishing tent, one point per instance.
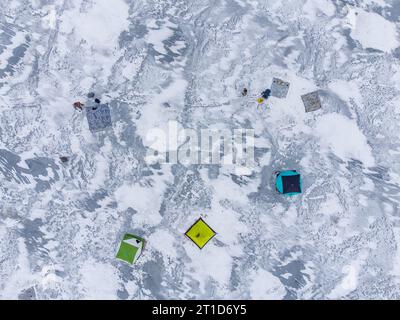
{"type": "Point", "coordinates": [288, 182]}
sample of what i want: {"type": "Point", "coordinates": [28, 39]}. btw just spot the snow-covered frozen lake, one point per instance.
{"type": "Point", "coordinates": [156, 61]}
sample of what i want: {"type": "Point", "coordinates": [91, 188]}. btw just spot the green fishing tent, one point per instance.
{"type": "Point", "coordinates": [130, 248]}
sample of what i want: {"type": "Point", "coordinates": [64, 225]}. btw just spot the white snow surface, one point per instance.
{"type": "Point", "coordinates": [373, 31]}
{"type": "Point", "coordinates": [156, 61]}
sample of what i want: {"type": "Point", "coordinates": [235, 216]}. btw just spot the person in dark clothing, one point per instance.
{"type": "Point", "coordinates": [244, 92]}
{"type": "Point", "coordinates": [266, 94]}
{"type": "Point", "coordinates": [78, 106]}
{"type": "Point", "coordinates": [97, 100]}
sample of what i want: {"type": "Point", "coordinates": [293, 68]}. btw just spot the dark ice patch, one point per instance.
{"type": "Point", "coordinates": [42, 186]}
{"type": "Point", "coordinates": [17, 54]}
{"type": "Point", "coordinates": [379, 173]}
{"type": "Point", "coordinates": [292, 277]}
{"type": "Point", "coordinates": [213, 171]}
{"type": "Point", "coordinates": [136, 31]}
{"type": "Point", "coordinates": [122, 294]}
{"type": "Point", "coordinates": [172, 52]}
{"type": "Point", "coordinates": [91, 203]}
{"type": "Point", "coordinates": [10, 169]}
{"type": "Point", "coordinates": [38, 167]}
{"type": "Point", "coordinates": [153, 277]}
{"type": "Point", "coordinates": [155, 166]}
{"type": "Point", "coordinates": [391, 12]}
{"type": "Point", "coordinates": [34, 238]}
{"type": "Point", "coordinates": [396, 53]}
{"type": "Point", "coordinates": [297, 277]}
{"type": "Point", "coordinates": [350, 41]}
{"type": "Point", "coordinates": [6, 35]}
{"type": "Point", "coordinates": [27, 294]}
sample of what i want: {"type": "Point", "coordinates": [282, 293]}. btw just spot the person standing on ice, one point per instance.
{"type": "Point", "coordinates": [266, 94]}
{"type": "Point", "coordinates": [78, 106]}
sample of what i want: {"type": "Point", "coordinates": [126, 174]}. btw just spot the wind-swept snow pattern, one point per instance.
{"type": "Point", "coordinates": [156, 61]}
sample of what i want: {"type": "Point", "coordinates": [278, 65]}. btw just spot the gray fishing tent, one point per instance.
{"type": "Point", "coordinates": [279, 88]}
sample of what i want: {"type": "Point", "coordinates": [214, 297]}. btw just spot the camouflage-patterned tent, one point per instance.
{"type": "Point", "coordinates": [311, 101]}
{"type": "Point", "coordinates": [99, 117]}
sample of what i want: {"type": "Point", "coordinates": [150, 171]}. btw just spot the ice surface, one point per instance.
{"type": "Point", "coordinates": [154, 61]}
